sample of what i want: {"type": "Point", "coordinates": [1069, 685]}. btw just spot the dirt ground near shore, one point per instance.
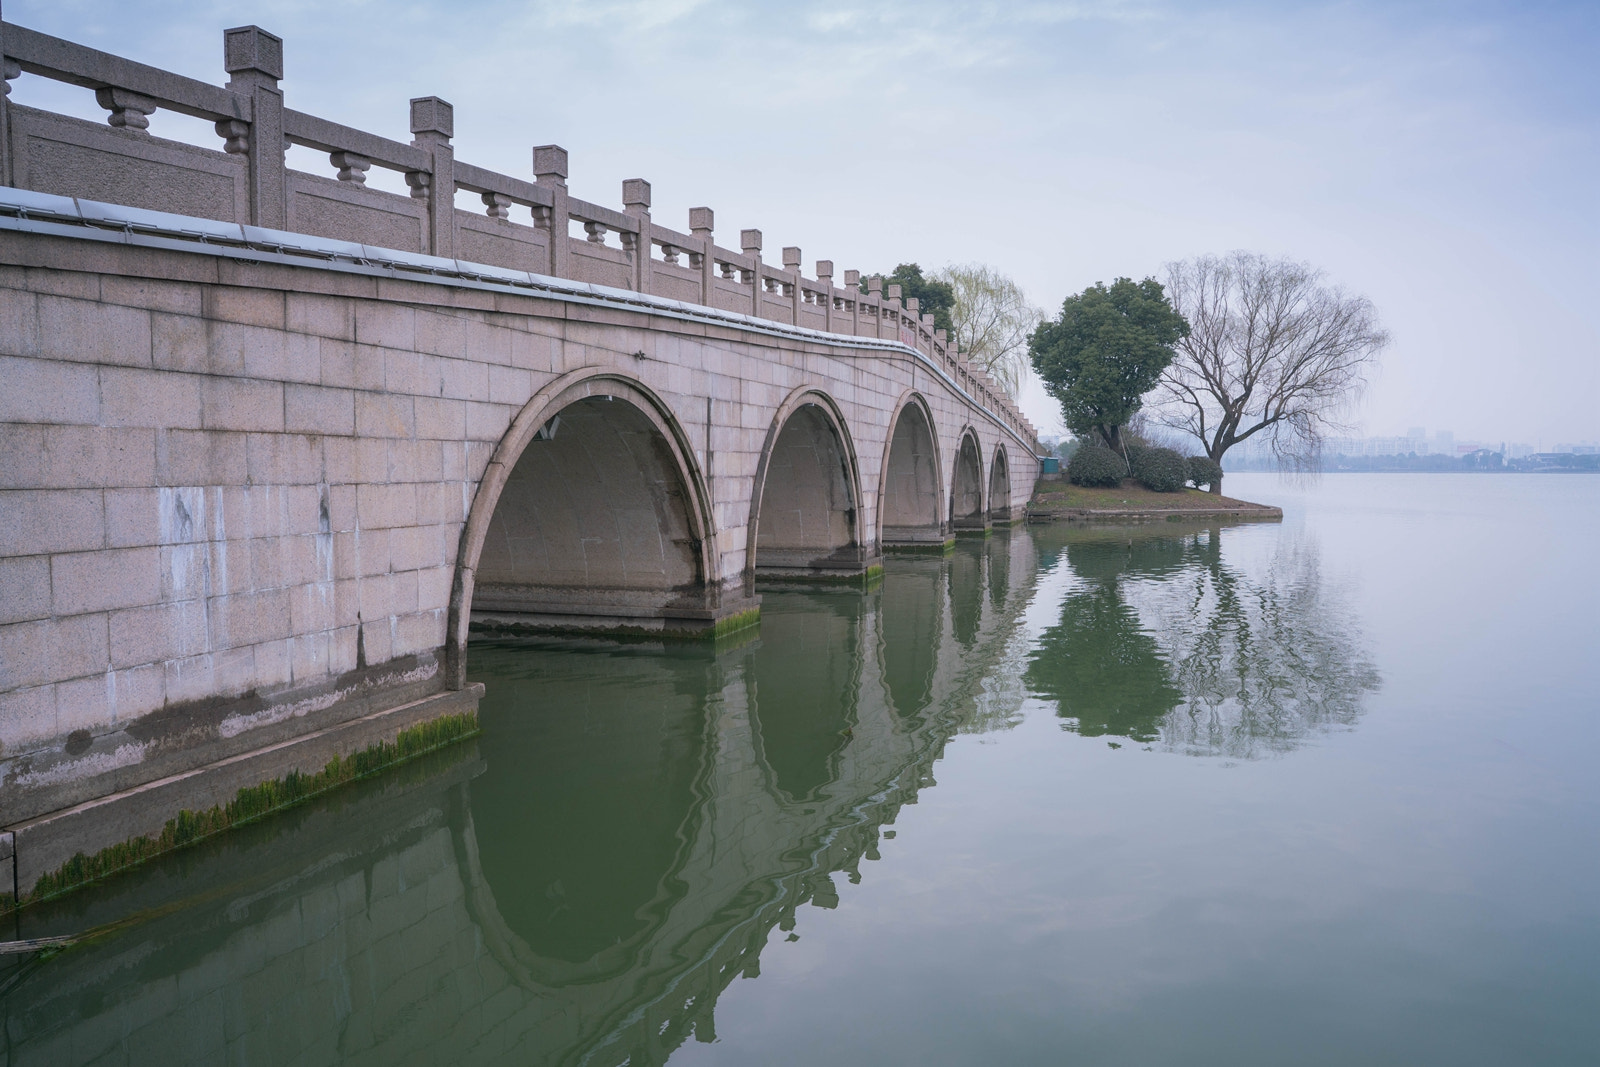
{"type": "Point", "coordinates": [1129, 496]}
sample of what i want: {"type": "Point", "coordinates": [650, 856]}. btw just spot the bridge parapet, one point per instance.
{"type": "Point", "coordinates": [247, 182]}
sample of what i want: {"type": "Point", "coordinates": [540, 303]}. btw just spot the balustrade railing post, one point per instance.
{"type": "Point", "coordinates": [433, 123]}
{"type": "Point", "coordinates": [894, 306]}
{"type": "Point", "coordinates": [791, 263]}
{"type": "Point", "coordinates": [254, 60]}
{"type": "Point", "coordinates": [702, 222]}
{"type": "Point", "coordinates": [750, 244]}
{"type": "Point", "coordinates": [636, 202]}
{"type": "Point", "coordinates": [825, 276]}
{"type": "Point", "coordinates": [852, 285]}
{"type": "Point", "coordinates": [9, 69]}
{"type": "Point", "coordinates": [550, 170]}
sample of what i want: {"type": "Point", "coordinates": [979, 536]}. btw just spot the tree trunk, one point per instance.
{"type": "Point", "coordinates": [1216, 487]}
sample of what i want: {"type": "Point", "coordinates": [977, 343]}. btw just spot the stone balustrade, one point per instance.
{"type": "Point", "coordinates": [248, 182]}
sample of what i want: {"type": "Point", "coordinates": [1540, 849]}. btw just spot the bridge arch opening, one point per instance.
{"type": "Point", "coordinates": [966, 486]}
{"type": "Point", "coordinates": [909, 493]}
{"type": "Point", "coordinates": [805, 508]}
{"type": "Point", "coordinates": [1000, 486]}
{"type": "Point", "coordinates": [590, 516]}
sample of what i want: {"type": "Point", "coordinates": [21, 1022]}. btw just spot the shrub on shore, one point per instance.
{"type": "Point", "coordinates": [1096, 467]}
{"type": "Point", "coordinates": [1203, 471]}
{"type": "Point", "coordinates": [1160, 470]}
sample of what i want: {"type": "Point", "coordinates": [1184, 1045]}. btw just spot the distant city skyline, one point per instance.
{"type": "Point", "coordinates": [1420, 441]}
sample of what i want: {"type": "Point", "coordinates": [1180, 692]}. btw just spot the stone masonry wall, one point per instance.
{"type": "Point", "coordinates": [222, 480]}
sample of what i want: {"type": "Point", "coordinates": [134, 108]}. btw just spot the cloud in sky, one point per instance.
{"type": "Point", "coordinates": [1438, 157]}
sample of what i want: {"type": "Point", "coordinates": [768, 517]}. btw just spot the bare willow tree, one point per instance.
{"type": "Point", "coordinates": [992, 321]}
{"type": "Point", "coordinates": [1273, 350]}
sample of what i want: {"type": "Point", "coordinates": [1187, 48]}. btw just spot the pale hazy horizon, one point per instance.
{"type": "Point", "coordinates": [1440, 161]}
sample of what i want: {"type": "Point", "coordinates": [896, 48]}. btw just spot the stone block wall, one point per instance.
{"type": "Point", "coordinates": [233, 489]}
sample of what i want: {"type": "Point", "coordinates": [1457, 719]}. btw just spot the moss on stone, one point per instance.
{"type": "Point", "coordinates": [251, 803]}
{"type": "Point", "coordinates": [733, 623]}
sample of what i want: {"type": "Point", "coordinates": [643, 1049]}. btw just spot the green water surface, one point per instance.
{"type": "Point", "coordinates": [1322, 792]}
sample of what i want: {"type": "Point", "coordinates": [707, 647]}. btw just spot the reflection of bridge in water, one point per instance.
{"type": "Point", "coordinates": [643, 821]}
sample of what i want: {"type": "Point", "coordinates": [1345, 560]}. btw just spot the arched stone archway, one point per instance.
{"type": "Point", "coordinates": [1000, 486]}
{"type": "Point", "coordinates": [966, 487]}
{"type": "Point", "coordinates": [591, 516]}
{"type": "Point", "coordinates": [805, 510]}
{"type": "Point", "coordinates": [908, 493]}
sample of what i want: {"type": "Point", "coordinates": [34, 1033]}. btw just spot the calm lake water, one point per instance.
{"type": "Point", "coordinates": [1318, 792]}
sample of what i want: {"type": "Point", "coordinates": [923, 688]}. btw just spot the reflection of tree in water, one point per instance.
{"type": "Point", "coordinates": [1102, 668]}
{"type": "Point", "coordinates": [1166, 640]}
{"type": "Point", "coordinates": [1263, 660]}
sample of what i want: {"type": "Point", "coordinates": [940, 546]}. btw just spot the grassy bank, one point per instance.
{"type": "Point", "coordinates": [1130, 497]}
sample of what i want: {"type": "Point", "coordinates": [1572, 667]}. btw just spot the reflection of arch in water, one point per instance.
{"type": "Point", "coordinates": [965, 576]}
{"type": "Point", "coordinates": [966, 486]}
{"type": "Point", "coordinates": [805, 510]}
{"type": "Point", "coordinates": [591, 515]}
{"type": "Point", "coordinates": [999, 552]}
{"type": "Point", "coordinates": [999, 486]}
{"type": "Point", "coordinates": [910, 625]}
{"type": "Point", "coordinates": [429, 871]}
{"type": "Point", "coordinates": [578, 913]}
{"type": "Point", "coordinates": [909, 483]}
{"type": "Point", "coordinates": [804, 682]}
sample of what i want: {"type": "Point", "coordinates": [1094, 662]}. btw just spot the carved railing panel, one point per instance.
{"type": "Point", "coordinates": [245, 181]}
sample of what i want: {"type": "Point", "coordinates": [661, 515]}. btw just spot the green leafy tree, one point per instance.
{"type": "Point", "coordinates": [933, 296]}
{"type": "Point", "coordinates": [1104, 352]}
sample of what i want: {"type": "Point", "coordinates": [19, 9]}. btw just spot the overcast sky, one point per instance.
{"type": "Point", "coordinates": [1439, 158]}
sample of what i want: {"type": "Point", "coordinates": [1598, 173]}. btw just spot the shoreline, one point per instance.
{"type": "Point", "coordinates": [1056, 501]}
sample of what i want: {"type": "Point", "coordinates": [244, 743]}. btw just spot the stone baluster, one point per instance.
{"type": "Point", "coordinates": [636, 202]}
{"type": "Point", "coordinates": [875, 295]}
{"type": "Point", "coordinates": [891, 321]}
{"type": "Point", "coordinates": [926, 319]}
{"type": "Point", "coordinates": [496, 205]}
{"type": "Point", "coordinates": [433, 123]}
{"type": "Point", "coordinates": [793, 289]}
{"type": "Point", "coordinates": [702, 223]}
{"type": "Point", "coordinates": [352, 166]}
{"type": "Point", "coordinates": [750, 244]}
{"type": "Point", "coordinates": [550, 169]}
{"type": "Point", "coordinates": [253, 59]}
{"type": "Point", "coordinates": [129, 111]}
{"type": "Point", "coordinates": [825, 276]}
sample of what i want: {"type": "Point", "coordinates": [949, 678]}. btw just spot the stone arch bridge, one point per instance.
{"type": "Point", "coordinates": [273, 440]}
